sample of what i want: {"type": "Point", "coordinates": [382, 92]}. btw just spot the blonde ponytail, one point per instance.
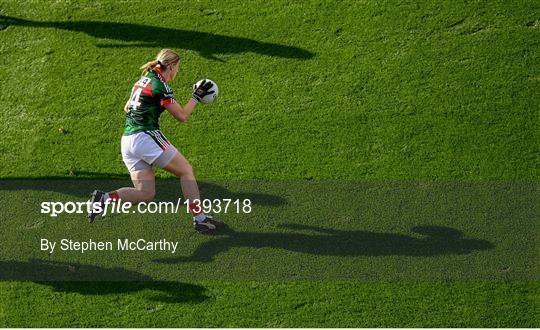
{"type": "Point", "coordinates": [149, 66]}
{"type": "Point", "coordinates": [164, 58]}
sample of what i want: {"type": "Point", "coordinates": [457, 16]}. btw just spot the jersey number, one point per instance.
{"type": "Point", "coordinates": [134, 98]}
{"type": "Point", "coordinates": [136, 93]}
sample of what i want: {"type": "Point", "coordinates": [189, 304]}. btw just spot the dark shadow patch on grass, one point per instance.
{"type": "Point", "coordinates": [83, 183]}
{"type": "Point", "coordinates": [36, 269]}
{"type": "Point", "coordinates": [212, 190]}
{"type": "Point", "coordinates": [207, 45]}
{"type": "Point", "coordinates": [315, 240]}
{"type": "Point", "coordinates": [95, 280]}
{"type": "Point", "coordinates": [166, 292]}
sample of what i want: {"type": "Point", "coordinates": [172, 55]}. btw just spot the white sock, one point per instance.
{"type": "Point", "coordinates": [105, 197]}
{"type": "Point", "coordinates": [199, 217]}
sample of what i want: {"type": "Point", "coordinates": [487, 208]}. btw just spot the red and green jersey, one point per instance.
{"type": "Point", "coordinates": [146, 103]}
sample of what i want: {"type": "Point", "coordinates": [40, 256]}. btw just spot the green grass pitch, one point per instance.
{"type": "Point", "coordinates": [400, 104]}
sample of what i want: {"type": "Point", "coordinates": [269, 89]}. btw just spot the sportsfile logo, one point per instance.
{"type": "Point", "coordinates": [215, 206]}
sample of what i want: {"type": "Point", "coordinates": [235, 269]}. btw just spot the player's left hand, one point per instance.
{"type": "Point", "coordinates": [202, 90]}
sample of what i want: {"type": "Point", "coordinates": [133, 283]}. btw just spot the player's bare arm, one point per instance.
{"type": "Point", "coordinates": [181, 113]}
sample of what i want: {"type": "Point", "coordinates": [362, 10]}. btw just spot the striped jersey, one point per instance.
{"type": "Point", "coordinates": [148, 97]}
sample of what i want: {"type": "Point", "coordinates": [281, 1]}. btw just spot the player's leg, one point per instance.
{"type": "Point", "coordinates": [143, 190]}
{"type": "Point", "coordinates": [138, 151]}
{"type": "Point", "coordinates": [180, 166]}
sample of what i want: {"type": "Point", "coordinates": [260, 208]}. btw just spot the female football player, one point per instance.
{"type": "Point", "coordinates": [144, 145]}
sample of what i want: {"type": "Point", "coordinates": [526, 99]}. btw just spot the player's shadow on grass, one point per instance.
{"type": "Point", "coordinates": [95, 280]}
{"type": "Point", "coordinates": [333, 242]}
{"type": "Point", "coordinates": [207, 45]}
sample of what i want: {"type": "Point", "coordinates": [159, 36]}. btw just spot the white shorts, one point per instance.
{"type": "Point", "coordinates": [142, 150]}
